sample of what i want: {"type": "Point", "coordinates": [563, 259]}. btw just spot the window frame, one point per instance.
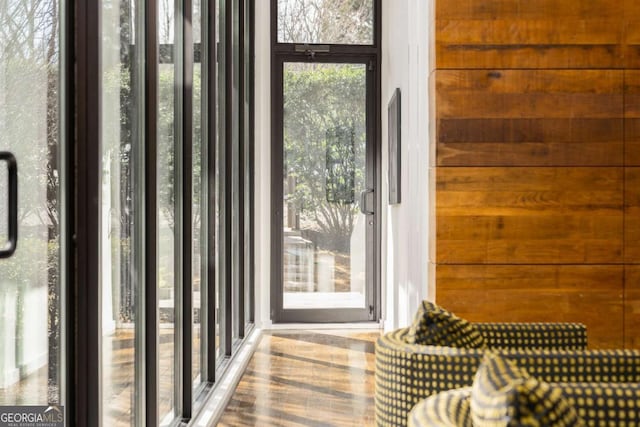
{"type": "Point", "coordinates": [323, 53]}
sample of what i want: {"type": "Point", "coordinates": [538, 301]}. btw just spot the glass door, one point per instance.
{"type": "Point", "coordinates": [31, 208]}
{"type": "Point", "coordinates": [326, 190]}
{"type": "Point", "coordinates": [325, 103]}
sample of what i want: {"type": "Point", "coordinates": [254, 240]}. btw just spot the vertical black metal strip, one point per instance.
{"type": "Point", "coordinates": [151, 332]}
{"type": "Point", "coordinates": [187, 208]}
{"type": "Point", "coordinates": [276, 287]}
{"type": "Point", "coordinates": [276, 187]}
{"type": "Point", "coordinates": [252, 124]}
{"type": "Point", "coordinates": [67, 209]}
{"type": "Point", "coordinates": [212, 140]}
{"type": "Point", "coordinates": [87, 213]}
{"type": "Point", "coordinates": [239, 264]}
{"type": "Point", "coordinates": [371, 183]}
{"type": "Point", "coordinates": [377, 258]}
{"type": "Point", "coordinates": [205, 133]}
{"type": "Point", "coordinates": [150, 127]}
{"type": "Point", "coordinates": [273, 34]}
{"type": "Point", "coordinates": [178, 204]}
{"type": "Point", "coordinates": [226, 222]}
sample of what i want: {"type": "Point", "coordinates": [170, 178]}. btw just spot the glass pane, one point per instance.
{"type": "Point", "coordinates": [324, 170]}
{"type": "Point", "coordinates": [30, 299]}
{"type": "Point", "coordinates": [120, 142]}
{"type": "Point", "coordinates": [325, 21]}
{"type": "Point", "coordinates": [199, 208]}
{"type": "Point", "coordinates": [167, 198]}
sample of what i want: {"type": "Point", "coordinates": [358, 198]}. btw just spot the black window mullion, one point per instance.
{"type": "Point", "coordinates": [239, 265]}
{"type": "Point", "coordinates": [149, 399]}
{"type": "Point", "coordinates": [377, 303]}
{"type": "Point", "coordinates": [210, 89]}
{"type": "Point", "coordinates": [68, 203]}
{"type": "Point", "coordinates": [187, 203]}
{"type": "Point", "coordinates": [277, 165]}
{"type": "Point", "coordinates": [87, 214]}
{"type": "Point", "coordinates": [179, 241]}
{"type": "Point", "coordinates": [251, 32]}
{"type": "Point", "coordinates": [225, 175]}
{"type": "Point", "coordinates": [224, 193]}
{"type": "Point", "coordinates": [292, 48]}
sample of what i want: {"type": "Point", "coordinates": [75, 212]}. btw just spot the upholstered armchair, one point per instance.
{"type": "Point", "coordinates": [440, 352]}
{"type": "Point", "coordinates": [516, 398]}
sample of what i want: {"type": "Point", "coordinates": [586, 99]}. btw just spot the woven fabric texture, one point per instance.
{"type": "Point", "coordinates": [597, 405]}
{"type": "Point", "coordinates": [407, 373]}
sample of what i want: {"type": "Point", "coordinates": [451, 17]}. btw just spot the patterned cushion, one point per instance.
{"type": "Point", "coordinates": [504, 395]}
{"type": "Point", "coordinates": [446, 409]}
{"type": "Point", "coordinates": [433, 325]}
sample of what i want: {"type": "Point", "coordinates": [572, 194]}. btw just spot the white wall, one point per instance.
{"type": "Point", "coordinates": [263, 163]}
{"type": "Point", "coordinates": [405, 240]}
{"type": "Point", "coordinates": [405, 226]}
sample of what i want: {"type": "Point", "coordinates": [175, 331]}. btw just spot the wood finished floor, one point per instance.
{"type": "Point", "coordinates": [314, 378]}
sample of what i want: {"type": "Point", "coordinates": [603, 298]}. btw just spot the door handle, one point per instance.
{"type": "Point", "coordinates": [12, 243]}
{"type": "Point", "coordinates": [363, 201]}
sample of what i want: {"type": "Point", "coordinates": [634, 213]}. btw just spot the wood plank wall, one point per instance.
{"type": "Point", "coordinates": [536, 163]}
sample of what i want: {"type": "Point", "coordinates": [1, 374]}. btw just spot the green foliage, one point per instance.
{"type": "Point", "coordinates": [167, 141]}
{"type": "Point", "coordinates": [318, 99]}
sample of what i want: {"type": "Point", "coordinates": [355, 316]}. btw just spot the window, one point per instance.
{"type": "Point", "coordinates": [349, 22]}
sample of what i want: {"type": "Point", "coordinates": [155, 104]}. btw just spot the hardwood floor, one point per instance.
{"type": "Point", "coordinates": [307, 378]}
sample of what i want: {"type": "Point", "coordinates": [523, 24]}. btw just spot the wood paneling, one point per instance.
{"type": "Point", "coordinates": [530, 34]}
{"type": "Point", "coordinates": [632, 117]}
{"type": "Point", "coordinates": [432, 215]}
{"type": "Point", "coordinates": [529, 215]}
{"type": "Point", "coordinates": [632, 33]}
{"type": "Point", "coordinates": [537, 153]}
{"type": "Point", "coordinates": [632, 306]}
{"type": "Point", "coordinates": [632, 216]}
{"type": "Point", "coordinates": [538, 293]}
{"type": "Point", "coordinates": [529, 118]}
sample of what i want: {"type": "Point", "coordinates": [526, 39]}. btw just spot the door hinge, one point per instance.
{"type": "Point", "coordinates": [371, 312]}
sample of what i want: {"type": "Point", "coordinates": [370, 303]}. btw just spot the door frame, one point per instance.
{"type": "Point", "coordinates": [327, 53]}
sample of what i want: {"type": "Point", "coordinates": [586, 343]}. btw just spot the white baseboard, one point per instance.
{"type": "Point", "coordinates": [321, 326]}
{"type": "Point", "coordinates": [222, 392]}
{"type": "Point", "coordinates": [34, 364]}
{"type": "Point", "coordinates": [9, 378]}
